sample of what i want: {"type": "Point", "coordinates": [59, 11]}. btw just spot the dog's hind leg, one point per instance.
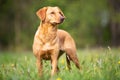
{"type": "Point", "coordinates": [72, 54]}
{"type": "Point", "coordinates": [68, 62]}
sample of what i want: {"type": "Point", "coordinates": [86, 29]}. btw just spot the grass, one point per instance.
{"type": "Point", "coordinates": [97, 64]}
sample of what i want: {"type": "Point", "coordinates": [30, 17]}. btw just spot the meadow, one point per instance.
{"type": "Point", "coordinates": [97, 64]}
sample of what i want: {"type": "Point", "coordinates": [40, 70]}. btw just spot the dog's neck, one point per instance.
{"type": "Point", "coordinates": [47, 27]}
{"type": "Point", "coordinates": [48, 31]}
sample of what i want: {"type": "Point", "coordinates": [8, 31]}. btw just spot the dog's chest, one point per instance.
{"type": "Point", "coordinates": [47, 50]}
{"type": "Point", "coordinates": [46, 46]}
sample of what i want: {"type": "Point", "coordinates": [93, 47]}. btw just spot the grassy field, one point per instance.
{"type": "Point", "coordinates": [97, 64]}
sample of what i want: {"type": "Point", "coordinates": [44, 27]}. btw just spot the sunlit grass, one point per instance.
{"type": "Point", "coordinates": [97, 64]}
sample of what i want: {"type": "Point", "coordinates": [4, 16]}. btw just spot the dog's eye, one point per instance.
{"type": "Point", "coordinates": [60, 13]}
{"type": "Point", "coordinates": [52, 13]}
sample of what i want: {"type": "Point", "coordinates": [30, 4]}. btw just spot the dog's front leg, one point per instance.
{"type": "Point", "coordinates": [39, 66]}
{"type": "Point", "coordinates": [54, 63]}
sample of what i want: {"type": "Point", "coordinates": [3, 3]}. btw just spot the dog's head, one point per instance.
{"type": "Point", "coordinates": [52, 15]}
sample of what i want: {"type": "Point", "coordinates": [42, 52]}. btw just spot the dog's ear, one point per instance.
{"type": "Point", "coordinates": [41, 13]}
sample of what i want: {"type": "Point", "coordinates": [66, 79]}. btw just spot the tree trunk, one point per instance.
{"type": "Point", "coordinates": [114, 22]}
{"type": "Point", "coordinates": [17, 24]}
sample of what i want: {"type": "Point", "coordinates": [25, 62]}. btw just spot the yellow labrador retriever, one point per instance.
{"type": "Point", "coordinates": [50, 42]}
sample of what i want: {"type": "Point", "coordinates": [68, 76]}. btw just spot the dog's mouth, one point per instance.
{"type": "Point", "coordinates": [59, 22]}
{"type": "Point", "coordinates": [56, 23]}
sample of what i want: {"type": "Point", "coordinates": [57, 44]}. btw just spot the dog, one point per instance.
{"type": "Point", "coordinates": [50, 42]}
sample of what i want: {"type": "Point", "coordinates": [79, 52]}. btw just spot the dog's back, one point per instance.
{"type": "Point", "coordinates": [65, 40]}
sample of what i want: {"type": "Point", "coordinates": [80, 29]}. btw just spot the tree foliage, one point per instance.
{"type": "Point", "coordinates": [90, 22]}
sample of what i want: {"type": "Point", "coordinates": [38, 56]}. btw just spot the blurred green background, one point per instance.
{"type": "Point", "coordinates": [92, 23]}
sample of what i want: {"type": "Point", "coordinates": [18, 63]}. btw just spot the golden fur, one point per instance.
{"type": "Point", "coordinates": [50, 42]}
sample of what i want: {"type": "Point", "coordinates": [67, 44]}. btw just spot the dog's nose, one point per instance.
{"type": "Point", "coordinates": [62, 19]}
